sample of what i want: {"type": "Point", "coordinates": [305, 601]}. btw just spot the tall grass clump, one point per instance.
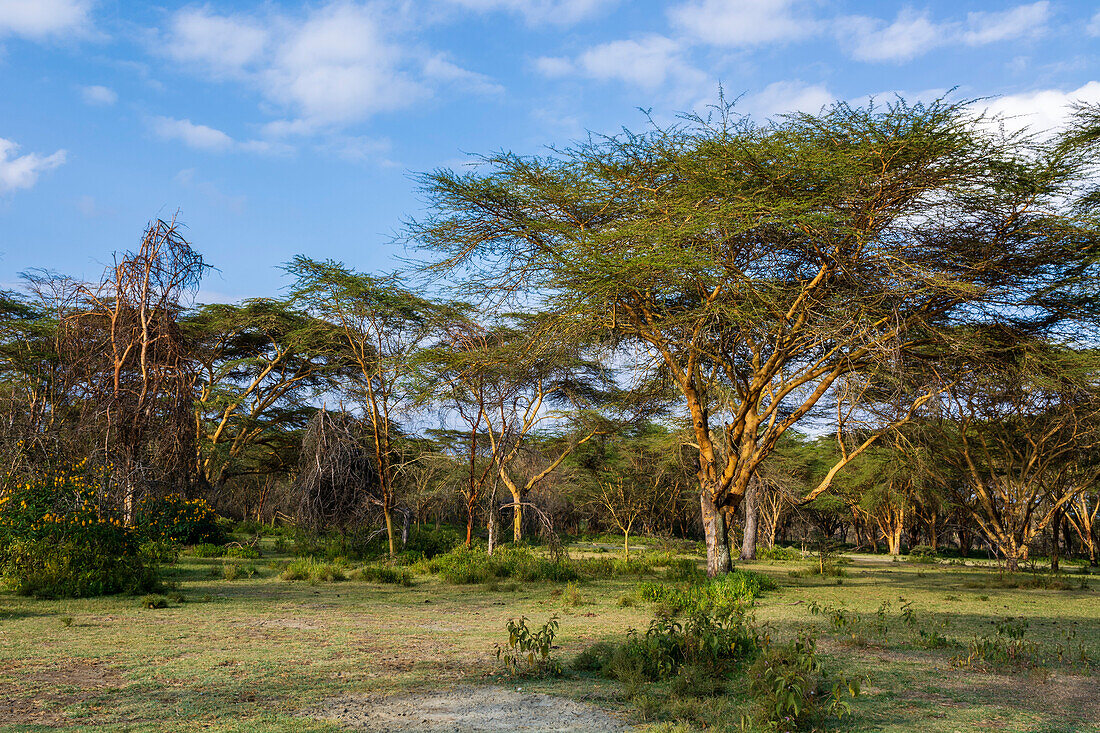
{"type": "Point", "coordinates": [465, 566]}
{"type": "Point", "coordinates": [715, 595]}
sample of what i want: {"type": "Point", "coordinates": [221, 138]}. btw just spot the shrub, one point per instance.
{"type": "Point", "coordinates": [58, 540]}
{"type": "Point", "coordinates": [154, 601]}
{"type": "Point", "coordinates": [233, 571]}
{"type": "Point", "coordinates": [243, 551]}
{"type": "Point", "coordinates": [791, 691]}
{"type": "Point", "coordinates": [594, 658]}
{"type": "Point", "coordinates": [313, 571]}
{"type": "Point", "coordinates": [779, 553]}
{"type": "Point", "coordinates": [429, 542]}
{"type": "Point", "coordinates": [923, 554]}
{"type": "Point", "coordinates": [464, 566]}
{"type": "Point", "coordinates": [382, 574]}
{"type": "Point", "coordinates": [179, 519]}
{"type": "Point", "coordinates": [684, 569]}
{"type": "Point", "coordinates": [527, 653]}
{"type": "Point", "coordinates": [208, 549]}
{"type": "Point", "coordinates": [723, 594]}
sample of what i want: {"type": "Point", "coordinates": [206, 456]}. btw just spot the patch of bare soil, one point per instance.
{"type": "Point", "coordinates": [468, 709]}
{"type": "Point", "coordinates": [33, 696]}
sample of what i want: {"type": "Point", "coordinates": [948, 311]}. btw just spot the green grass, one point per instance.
{"type": "Point", "coordinates": [253, 653]}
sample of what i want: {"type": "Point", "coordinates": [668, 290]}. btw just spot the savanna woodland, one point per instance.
{"type": "Point", "coordinates": [722, 425]}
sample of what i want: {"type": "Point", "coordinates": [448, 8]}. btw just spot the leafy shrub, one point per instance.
{"type": "Point", "coordinates": [179, 519]}
{"type": "Point", "coordinates": [382, 574]}
{"type": "Point", "coordinates": [313, 571]}
{"type": "Point", "coordinates": [723, 594]}
{"type": "Point", "coordinates": [154, 601]}
{"type": "Point", "coordinates": [527, 653]}
{"type": "Point", "coordinates": [233, 571]}
{"type": "Point", "coordinates": [779, 553]}
{"type": "Point", "coordinates": [922, 554]}
{"type": "Point", "coordinates": [429, 542]}
{"type": "Point", "coordinates": [242, 551]}
{"type": "Point", "coordinates": [464, 566]}
{"type": "Point", "coordinates": [684, 569]}
{"type": "Point", "coordinates": [58, 540]}
{"type": "Point", "coordinates": [594, 658]}
{"type": "Point", "coordinates": [208, 549]}
{"type": "Point", "coordinates": [790, 689]}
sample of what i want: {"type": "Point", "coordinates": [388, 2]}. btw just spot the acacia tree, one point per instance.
{"type": "Point", "coordinates": [259, 362]}
{"type": "Point", "coordinates": [769, 261]}
{"type": "Point", "coordinates": [1020, 433]}
{"type": "Point", "coordinates": [1083, 511]}
{"type": "Point", "coordinates": [378, 326]}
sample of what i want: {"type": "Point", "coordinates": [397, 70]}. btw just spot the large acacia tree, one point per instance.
{"type": "Point", "coordinates": [783, 263]}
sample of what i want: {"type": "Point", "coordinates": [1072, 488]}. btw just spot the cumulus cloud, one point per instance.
{"type": "Point", "coordinates": [339, 64]}
{"type": "Point", "coordinates": [541, 12]}
{"type": "Point", "coordinates": [199, 137]}
{"type": "Point", "coordinates": [744, 22]}
{"type": "Point", "coordinates": [1040, 111]}
{"type": "Point", "coordinates": [788, 96]}
{"type": "Point", "coordinates": [22, 171]}
{"type": "Point", "coordinates": [210, 139]}
{"type": "Point", "coordinates": [650, 63]}
{"type": "Point", "coordinates": [43, 19]}
{"type": "Point", "coordinates": [98, 95]}
{"type": "Point", "coordinates": [913, 33]}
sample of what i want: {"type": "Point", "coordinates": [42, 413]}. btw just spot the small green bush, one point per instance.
{"type": "Point", "coordinates": [154, 601]}
{"type": "Point", "coordinates": [527, 653]}
{"type": "Point", "coordinates": [382, 574]}
{"type": "Point", "coordinates": [684, 569]}
{"type": "Point", "coordinates": [922, 554]}
{"type": "Point", "coordinates": [313, 571]}
{"type": "Point", "coordinates": [723, 594]}
{"type": "Point", "coordinates": [779, 553]}
{"type": "Point", "coordinates": [207, 549]}
{"type": "Point", "coordinates": [466, 566]}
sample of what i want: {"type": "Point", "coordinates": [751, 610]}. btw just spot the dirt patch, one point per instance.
{"type": "Point", "coordinates": [468, 709]}
{"type": "Point", "coordinates": [33, 696]}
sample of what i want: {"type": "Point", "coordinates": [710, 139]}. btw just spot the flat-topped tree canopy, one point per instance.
{"type": "Point", "coordinates": [761, 265]}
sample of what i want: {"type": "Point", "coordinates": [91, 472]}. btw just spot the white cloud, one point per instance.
{"type": "Point", "coordinates": [788, 96]}
{"type": "Point", "coordinates": [1040, 111]}
{"type": "Point", "coordinates": [221, 43]}
{"type": "Point", "coordinates": [41, 19]}
{"type": "Point", "coordinates": [914, 34]}
{"type": "Point", "coordinates": [744, 22]}
{"type": "Point", "coordinates": [1019, 22]}
{"type": "Point", "coordinates": [195, 136]}
{"type": "Point", "coordinates": [203, 137]}
{"type": "Point", "coordinates": [99, 95]}
{"type": "Point", "coordinates": [1093, 27]}
{"type": "Point", "coordinates": [22, 171]}
{"type": "Point", "coordinates": [337, 64]}
{"type": "Point", "coordinates": [541, 12]}
{"type": "Point", "coordinates": [650, 63]}
{"type": "Point", "coordinates": [870, 39]}
{"type": "Point", "coordinates": [440, 69]}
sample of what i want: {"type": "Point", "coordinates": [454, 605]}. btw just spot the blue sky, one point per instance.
{"type": "Point", "coordinates": [279, 128]}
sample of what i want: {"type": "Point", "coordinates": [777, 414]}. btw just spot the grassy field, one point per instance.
{"type": "Point", "coordinates": [260, 653]}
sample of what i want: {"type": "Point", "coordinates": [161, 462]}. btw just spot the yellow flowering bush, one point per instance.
{"type": "Point", "coordinates": [176, 518]}
{"type": "Point", "coordinates": [57, 538]}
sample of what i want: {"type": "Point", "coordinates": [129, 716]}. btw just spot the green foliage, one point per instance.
{"type": "Point", "coordinates": [779, 553]}
{"type": "Point", "coordinates": [178, 519]}
{"type": "Point", "coordinates": [58, 540]}
{"type": "Point", "coordinates": [464, 566]}
{"type": "Point", "coordinates": [382, 574]}
{"type": "Point", "coordinates": [154, 601]}
{"type": "Point", "coordinates": [923, 554]}
{"type": "Point", "coordinates": [723, 594]}
{"type": "Point", "coordinates": [313, 571]}
{"type": "Point", "coordinates": [791, 691]}
{"type": "Point", "coordinates": [207, 549]}
{"type": "Point", "coordinates": [527, 653]}
{"type": "Point", "coordinates": [428, 542]}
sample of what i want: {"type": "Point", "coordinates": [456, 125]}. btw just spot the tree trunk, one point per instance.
{"type": "Point", "coordinates": [517, 518]}
{"type": "Point", "coordinates": [389, 529]}
{"type": "Point", "coordinates": [493, 522]}
{"type": "Point", "coordinates": [1055, 526]}
{"type": "Point", "coordinates": [748, 542]}
{"type": "Point", "coordinates": [714, 527]}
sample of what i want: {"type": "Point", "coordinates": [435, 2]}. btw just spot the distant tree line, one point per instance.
{"type": "Point", "coordinates": [876, 324]}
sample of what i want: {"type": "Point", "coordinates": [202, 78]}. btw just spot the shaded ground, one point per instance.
{"type": "Point", "coordinates": [468, 709]}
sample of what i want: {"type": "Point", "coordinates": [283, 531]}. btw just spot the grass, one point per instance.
{"type": "Point", "coordinates": [255, 652]}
